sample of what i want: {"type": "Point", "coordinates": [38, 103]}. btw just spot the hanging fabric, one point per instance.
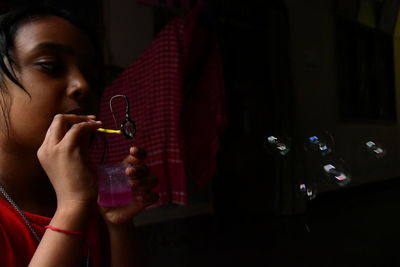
{"type": "Point", "coordinates": [176, 91]}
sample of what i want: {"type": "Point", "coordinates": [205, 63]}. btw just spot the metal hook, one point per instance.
{"type": "Point", "coordinates": [127, 126]}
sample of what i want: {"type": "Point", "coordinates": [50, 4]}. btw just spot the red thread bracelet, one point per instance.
{"type": "Point", "coordinates": [64, 231]}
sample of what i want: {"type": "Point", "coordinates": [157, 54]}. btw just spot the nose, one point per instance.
{"type": "Point", "coordinates": [78, 86]}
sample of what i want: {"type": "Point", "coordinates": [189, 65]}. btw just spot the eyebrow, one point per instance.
{"type": "Point", "coordinates": [53, 47]}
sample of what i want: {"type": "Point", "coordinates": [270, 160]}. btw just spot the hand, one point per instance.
{"type": "Point", "coordinates": [63, 156]}
{"type": "Point", "coordinates": [142, 185]}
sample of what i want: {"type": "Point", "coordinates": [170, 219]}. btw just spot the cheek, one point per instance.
{"type": "Point", "coordinates": [30, 119]}
{"type": "Point", "coordinates": [29, 113]}
{"type": "Point", "coordinates": [28, 130]}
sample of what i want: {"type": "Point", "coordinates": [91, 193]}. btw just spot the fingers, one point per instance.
{"type": "Point", "coordinates": [138, 152]}
{"type": "Point", "coordinates": [137, 171]}
{"type": "Point", "coordinates": [73, 125]}
{"type": "Point", "coordinates": [141, 181]}
{"type": "Point", "coordinates": [81, 131]}
{"type": "Point", "coordinates": [136, 155]}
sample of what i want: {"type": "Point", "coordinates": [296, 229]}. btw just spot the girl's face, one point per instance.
{"type": "Point", "coordinates": [54, 62]}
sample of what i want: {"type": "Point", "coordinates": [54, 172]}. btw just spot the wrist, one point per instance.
{"type": "Point", "coordinates": [68, 232]}
{"type": "Point", "coordinates": [74, 207]}
{"type": "Point", "coordinates": [73, 217]}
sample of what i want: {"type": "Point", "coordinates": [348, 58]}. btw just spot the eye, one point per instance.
{"type": "Point", "coordinates": [52, 67]}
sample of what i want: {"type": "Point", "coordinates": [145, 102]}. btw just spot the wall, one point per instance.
{"type": "Point", "coordinates": [128, 30]}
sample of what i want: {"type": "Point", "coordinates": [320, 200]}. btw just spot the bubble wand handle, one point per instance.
{"type": "Point", "coordinates": [103, 130]}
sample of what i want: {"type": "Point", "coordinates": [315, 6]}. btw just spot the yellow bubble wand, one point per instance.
{"type": "Point", "coordinates": [110, 131]}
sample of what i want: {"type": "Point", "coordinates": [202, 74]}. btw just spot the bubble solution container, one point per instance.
{"type": "Point", "coordinates": [113, 185]}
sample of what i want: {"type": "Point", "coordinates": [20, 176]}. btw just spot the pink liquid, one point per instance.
{"type": "Point", "coordinates": [113, 199]}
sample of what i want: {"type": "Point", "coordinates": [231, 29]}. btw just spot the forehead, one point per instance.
{"type": "Point", "coordinates": [54, 30]}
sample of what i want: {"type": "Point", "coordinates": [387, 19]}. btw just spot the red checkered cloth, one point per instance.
{"type": "Point", "coordinates": [157, 85]}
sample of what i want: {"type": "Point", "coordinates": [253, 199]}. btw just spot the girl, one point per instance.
{"type": "Point", "coordinates": [48, 200]}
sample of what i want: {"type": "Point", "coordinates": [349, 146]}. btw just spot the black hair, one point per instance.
{"type": "Point", "coordinates": [11, 21]}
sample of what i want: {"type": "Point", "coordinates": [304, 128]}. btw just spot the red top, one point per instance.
{"type": "Point", "coordinates": [17, 244]}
